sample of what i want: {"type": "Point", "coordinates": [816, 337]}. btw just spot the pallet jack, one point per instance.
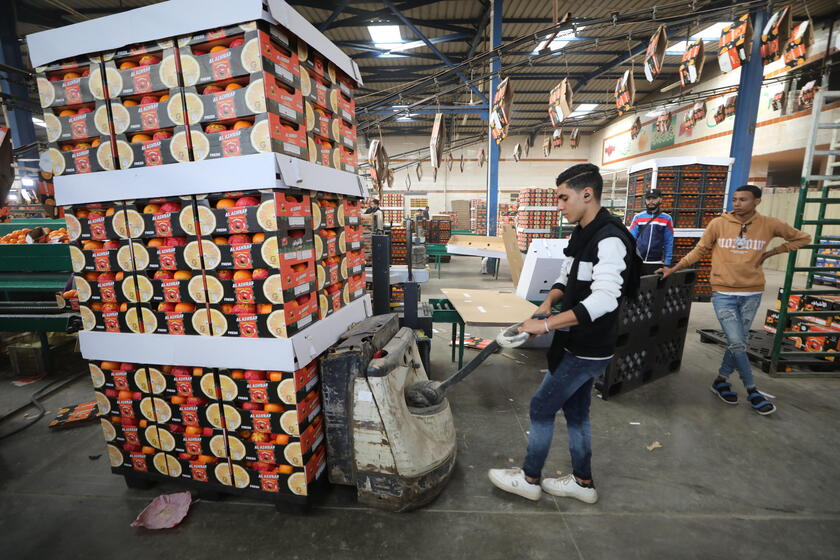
{"type": "Point", "coordinates": [389, 429]}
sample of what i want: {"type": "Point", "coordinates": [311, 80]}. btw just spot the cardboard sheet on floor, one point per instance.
{"type": "Point", "coordinates": [489, 308]}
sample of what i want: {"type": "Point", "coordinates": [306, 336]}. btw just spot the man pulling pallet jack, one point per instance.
{"type": "Point", "coordinates": [389, 428]}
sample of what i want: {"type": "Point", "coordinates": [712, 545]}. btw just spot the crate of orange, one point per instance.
{"type": "Point", "coordinates": [266, 132]}
{"type": "Point", "coordinates": [239, 50]}
{"type": "Point", "coordinates": [76, 123]}
{"type": "Point", "coordinates": [83, 155]}
{"type": "Point", "coordinates": [252, 212]}
{"type": "Point", "coordinates": [70, 82]}
{"type": "Point", "coordinates": [141, 68]}
{"type": "Point", "coordinates": [147, 148]}
{"type": "Point", "coordinates": [239, 97]}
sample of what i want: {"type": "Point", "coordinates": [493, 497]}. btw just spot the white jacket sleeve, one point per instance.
{"type": "Point", "coordinates": [606, 281]}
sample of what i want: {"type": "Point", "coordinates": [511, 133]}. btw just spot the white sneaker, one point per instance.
{"type": "Point", "coordinates": [513, 481]}
{"type": "Point", "coordinates": [567, 487]}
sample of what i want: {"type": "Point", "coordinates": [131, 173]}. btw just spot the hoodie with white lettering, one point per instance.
{"type": "Point", "coordinates": [737, 249]}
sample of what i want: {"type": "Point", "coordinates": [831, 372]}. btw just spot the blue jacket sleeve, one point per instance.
{"type": "Point", "coordinates": [669, 242]}
{"type": "Point", "coordinates": [634, 226]}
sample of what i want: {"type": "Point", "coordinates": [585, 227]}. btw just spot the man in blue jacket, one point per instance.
{"type": "Point", "coordinates": [654, 233]}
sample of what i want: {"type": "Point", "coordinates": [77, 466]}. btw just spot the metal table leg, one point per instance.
{"type": "Point", "coordinates": [454, 341]}
{"type": "Point", "coordinates": [461, 347]}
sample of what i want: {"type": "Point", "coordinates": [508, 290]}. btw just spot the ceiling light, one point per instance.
{"type": "Point", "coordinates": [385, 36]}
{"type": "Point", "coordinates": [27, 182]}
{"type": "Point", "coordinates": [584, 109]}
{"type": "Point", "coordinates": [562, 39]}
{"type": "Point", "coordinates": [711, 33]}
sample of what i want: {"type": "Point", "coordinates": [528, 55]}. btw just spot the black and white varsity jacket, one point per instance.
{"type": "Point", "coordinates": [593, 286]}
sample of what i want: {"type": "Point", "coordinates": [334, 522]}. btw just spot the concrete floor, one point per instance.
{"type": "Point", "coordinates": [727, 483]}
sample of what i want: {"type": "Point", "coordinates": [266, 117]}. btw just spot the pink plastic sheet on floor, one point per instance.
{"type": "Point", "coordinates": [165, 511]}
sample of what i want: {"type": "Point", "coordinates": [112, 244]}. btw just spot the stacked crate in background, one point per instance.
{"type": "Point", "coordinates": [478, 216]}
{"type": "Point", "coordinates": [367, 239]}
{"type": "Point", "coordinates": [828, 257]}
{"type": "Point", "coordinates": [234, 265]}
{"type": "Point", "coordinates": [399, 245]}
{"type": "Point", "coordinates": [682, 246]}
{"type": "Point", "coordinates": [536, 215]}
{"type": "Point", "coordinates": [440, 229]}
{"type": "Point", "coordinates": [506, 215]}
{"type": "Point", "coordinates": [693, 193]}
{"type": "Point", "coordinates": [393, 207]}
{"type": "Point", "coordinates": [461, 210]}
{"type": "Point", "coordinates": [824, 329]}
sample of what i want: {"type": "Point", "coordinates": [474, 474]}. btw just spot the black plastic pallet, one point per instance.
{"type": "Point", "coordinates": [283, 502]}
{"type": "Point", "coordinates": [759, 348]}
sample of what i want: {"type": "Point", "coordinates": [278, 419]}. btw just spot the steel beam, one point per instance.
{"type": "Point", "coordinates": [19, 118]}
{"type": "Point", "coordinates": [339, 9]}
{"type": "Point", "coordinates": [746, 110]}
{"type": "Point", "coordinates": [433, 48]}
{"type": "Point", "coordinates": [493, 148]}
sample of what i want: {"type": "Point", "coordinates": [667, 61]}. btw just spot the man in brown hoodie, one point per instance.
{"type": "Point", "coordinates": [738, 241]}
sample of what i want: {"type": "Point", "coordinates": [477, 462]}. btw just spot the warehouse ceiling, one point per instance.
{"type": "Point", "coordinates": [408, 70]}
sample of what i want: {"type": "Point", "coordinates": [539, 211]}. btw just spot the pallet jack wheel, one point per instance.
{"type": "Point", "coordinates": [137, 482]}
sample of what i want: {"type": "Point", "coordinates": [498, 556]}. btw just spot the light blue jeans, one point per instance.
{"type": "Point", "coordinates": [569, 387]}
{"type": "Point", "coordinates": [736, 314]}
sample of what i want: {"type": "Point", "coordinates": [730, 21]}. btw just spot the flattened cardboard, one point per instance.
{"type": "Point", "coordinates": [801, 39]}
{"type": "Point", "coordinates": [625, 92]}
{"type": "Point", "coordinates": [775, 35]}
{"type": "Point", "coordinates": [437, 142]}
{"type": "Point", "coordinates": [501, 113]}
{"type": "Point", "coordinates": [655, 54]}
{"type": "Point", "coordinates": [270, 354]}
{"type": "Point", "coordinates": [255, 171]}
{"type": "Point", "coordinates": [735, 44]}
{"type": "Point", "coordinates": [574, 139]}
{"type": "Point", "coordinates": [173, 19]}
{"type": "Point", "coordinates": [489, 308]}
{"type": "Point", "coordinates": [477, 246]}
{"type": "Point", "coordinates": [560, 103]}
{"type": "Point", "coordinates": [514, 256]}
{"type": "Point", "coordinates": [691, 65]}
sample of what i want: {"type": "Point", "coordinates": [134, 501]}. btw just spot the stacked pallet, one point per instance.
{"type": "Point", "coordinates": [693, 193]}
{"type": "Point", "coordinates": [168, 264]}
{"type": "Point", "coordinates": [682, 246]}
{"type": "Point", "coordinates": [478, 216]}
{"type": "Point", "coordinates": [506, 215]}
{"type": "Point", "coordinates": [536, 215]}
{"type": "Point", "coordinates": [393, 207]}
{"type": "Point", "coordinates": [399, 245]}
{"type": "Point", "coordinates": [440, 229]}
{"type": "Point", "coordinates": [823, 330]}
{"type": "Point", "coordinates": [461, 210]}
{"type": "Point", "coordinates": [828, 257]}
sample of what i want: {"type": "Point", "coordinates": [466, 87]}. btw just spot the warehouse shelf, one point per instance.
{"type": "Point", "coordinates": [275, 354]}
{"type": "Point", "coordinates": [256, 171]}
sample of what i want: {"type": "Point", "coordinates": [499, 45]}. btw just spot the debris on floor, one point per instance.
{"type": "Point", "coordinates": [165, 511]}
{"type": "Point", "coordinates": [654, 445]}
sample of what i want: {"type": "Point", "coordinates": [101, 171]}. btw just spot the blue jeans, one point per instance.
{"type": "Point", "coordinates": [569, 388]}
{"type": "Point", "coordinates": [736, 314]}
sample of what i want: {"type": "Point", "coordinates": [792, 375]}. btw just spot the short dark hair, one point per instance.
{"type": "Point", "coordinates": [756, 192]}
{"type": "Point", "coordinates": [375, 200]}
{"type": "Point", "coordinates": [583, 175]}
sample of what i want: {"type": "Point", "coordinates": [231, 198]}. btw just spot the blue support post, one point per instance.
{"type": "Point", "coordinates": [493, 148]}
{"type": "Point", "coordinates": [746, 110]}
{"type": "Point", "coordinates": [19, 115]}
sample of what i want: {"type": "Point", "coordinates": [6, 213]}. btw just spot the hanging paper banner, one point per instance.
{"type": "Point", "coordinates": [437, 141]}
{"type": "Point", "coordinates": [698, 111]}
{"type": "Point", "coordinates": [655, 54]}
{"type": "Point", "coordinates": [560, 103]}
{"type": "Point", "coordinates": [807, 93]}
{"type": "Point", "coordinates": [449, 161]}
{"type": "Point", "coordinates": [574, 139]}
{"type": "Point", "coordinates": [800, 40]}
{"type": "Point", "coordinates": [663, 122]}
{"type": "Point", "coordinates": [500, 114]}
{"type": "Point", "coordinates": [378, 161]}
{"type": "Point", "coordinates": [731, 104]}
{"type": "Point", "coordinates": [482, 157]}
{"type": "Point", "coordinates": [557, 138]}
{"type": "Point", "coordinates": [547, 146]}
{"type": "Point", "coordinates": [625, 92]}
{"type": "Point", "coordinates": [778, 101]}
{"type": "Point", "coordinates": [775, 35]}
{"type": "Point", "coordinates": [736, 42]}
{"type": "Point", "coordinates": [419, 171]}
{"type": "Point", "coordinates": [517, 152]}
{"type": "Point", "coordinates": [636, 129]}
{"type": "Point", "coordinates": [720, 114]}
{"type": "Point", "coordinates": [691, 65]}
{"type": "Point", "coordinates": [461, 165]}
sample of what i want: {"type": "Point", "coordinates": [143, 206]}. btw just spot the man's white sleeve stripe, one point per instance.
{"type": "Point", "coordinates": [606, 278]}
{"type": "Point", "coordinates": [564, 272]}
